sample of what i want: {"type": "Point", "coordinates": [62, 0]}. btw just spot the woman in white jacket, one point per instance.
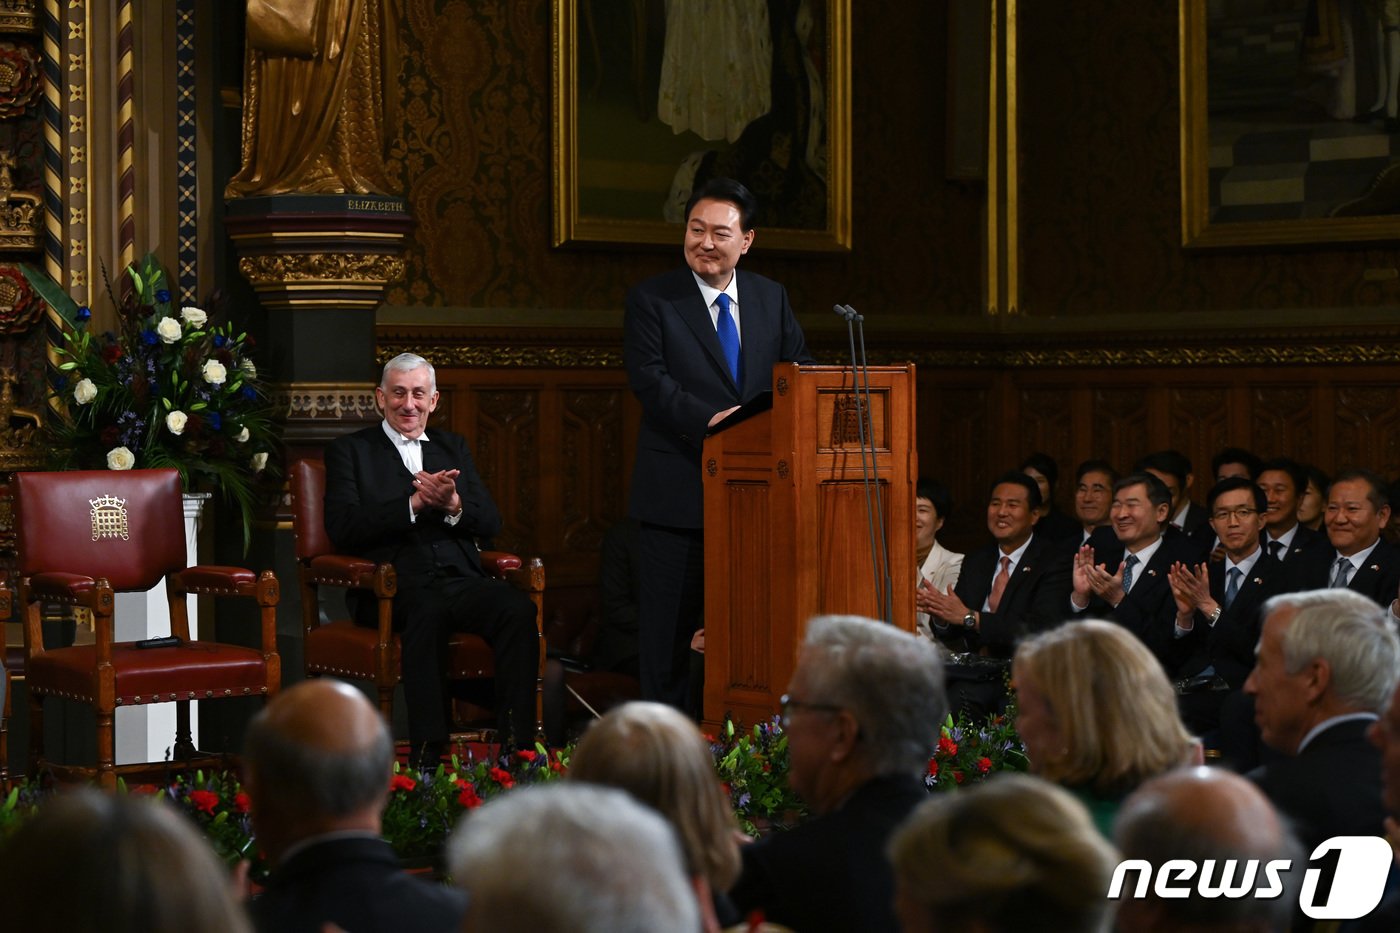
{"type": "Point", "coordinates": [938, 566]}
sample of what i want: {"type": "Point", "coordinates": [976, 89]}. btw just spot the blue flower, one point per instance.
{"type": "Point", "coordinates": [218, 340]}
{"type": "Point", "coordinates": [249, 393]}
{"type": "Point", "coordinates": [149, 338]}
{"type": "Point", "coordinates": [163, 296]}
{"type": "Point", "coordinates": [60, 383]}
{"type": "Point", "coordinates": [84, 313]}
{"type": "Point", "coordinates": [216, 420]}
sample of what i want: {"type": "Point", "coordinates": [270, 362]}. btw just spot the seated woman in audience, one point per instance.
{"type": "Point", "coordinates": [656, 755]}
{"type": "Point", "coordinates": [1097, 713]}
{"type": "Point", "coordinates": [938, 566]}
{"type": "Point", "coordinates": [1013, 855]}
{"type": "Point", "coordinates": [90, 862]}
{"type": "Point", "coordinates": [1312, 504]}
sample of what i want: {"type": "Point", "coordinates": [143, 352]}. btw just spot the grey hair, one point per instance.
{"type": "Point", "coordinates": [407, 362]}
{"type": "Point", "coordinates": [890, 681]}
{"type": "Point", "coordinates": [571, 858]}
{"type": "Point", "coordinates": [1351, 633]}
{"type": "Point", "coordinates": [318, 781]}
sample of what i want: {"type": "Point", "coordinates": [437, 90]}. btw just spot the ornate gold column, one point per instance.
{"type": "Point", "coordinates": [1003, 285]}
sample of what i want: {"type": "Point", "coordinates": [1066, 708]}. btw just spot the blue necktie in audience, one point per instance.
{"type": "Point", "coordinates": [1232, 588]}
{"type": "Point", "coordinates": [728, 337]}
{"type": "Point", "coordinates": [1342, 575]}
{"type": "Point", "coordinates": [1128, 566]}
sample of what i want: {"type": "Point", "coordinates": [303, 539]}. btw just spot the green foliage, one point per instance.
{"type": "Point", "coordinates": [754, 768]}
{"type": "Point", "coordinates": [169, 388]}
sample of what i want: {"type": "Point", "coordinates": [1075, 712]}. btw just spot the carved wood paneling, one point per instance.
{"type": "Point", "coordinates": [1198, 427]}
{"type": "Point", "coordinates": [1281, 419]}
{"type": "Point", "coordinates": [1366, 432]}
{"type": "Point", "coordinates": [592, 471]}
{"type": "Point", "coordinates": [508, 455]}
{"type": "Point", "coordinates": [1119, 430]}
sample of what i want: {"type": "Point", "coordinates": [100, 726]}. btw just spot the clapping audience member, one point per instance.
{"type": "Point", "coordinates": [1205, 815]}
{"type": "Point", "coordinates": [570, 858]}
{"type": "Point", "coordinates": [318, 764]}
{"type": "Point", "coordinates": [938, 566]}
{"type": "Point", "coordinates": [1015, 854]}
{"type": "Point", "coordinates": [1328, 661]}
{"type": "Point", "coordinates": [1097, 714]}
{"type": "Point", "coordinates": [862, 715]}
{"type": "Point", "coordinates": [90, 862]}
{"type": "Point", "coordinates": [656, 754]}
{"type": "Point", "coordinates": [1359, 559]}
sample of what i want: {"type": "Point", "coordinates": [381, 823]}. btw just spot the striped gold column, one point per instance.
{"type": "Point", "coordinates": [126, 135]}
{"type": "Point", "coordinates": [53, 179]}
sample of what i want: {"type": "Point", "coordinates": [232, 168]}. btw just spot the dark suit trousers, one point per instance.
{"type": "Point", "coordinates": [670, 607]}
{"type": "Point", "coordinates": [428, 609]}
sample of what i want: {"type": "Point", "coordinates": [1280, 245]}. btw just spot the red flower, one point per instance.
{"type": "Point", "coordinates": [468, 797]}
{"type": "Point", "coordinates": [525, 754]}
{"type": "Point", "coordinates": [402, 782]}
{"type": "Point", "coordinates": [112, 352]}
{"type": "Point", "coordinates": [241, 802]}
{"type": "Point", "coordinates": [984, 765]}
{"type": "Point", "coordinates": [947, 746]}
{"type": "Point", "coordinates": [933, 767]}
{"type": "Point", "coordinates": [502, 777]}
{"type": "Point", "coordinates": [204, 800]}
{"type": "Point", "coordinates": [958, 776]}
{"type": "Point", "coordinates": [556, 766]}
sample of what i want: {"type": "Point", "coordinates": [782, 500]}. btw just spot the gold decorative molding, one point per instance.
{"type": "Point", "coordinates": [19, 16]}
{"type": "Point", "coordinates": [341, 268]}
{"type": "Point", "coordinates": [518, 356]}
{"type": "Point", "coordinates": [334, 401]}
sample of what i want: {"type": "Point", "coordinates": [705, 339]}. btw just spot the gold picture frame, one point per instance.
{"type": "Point", "coordinates": [1262, 163]}
{"type": "Point", "coordinates": [621, 173]}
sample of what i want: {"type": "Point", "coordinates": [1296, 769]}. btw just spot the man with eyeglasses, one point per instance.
{"type": "Point", "coordinates": [862, 715]}
{"type": "Point", "coordinates": [1217, 604]}
{"type": "Point", "coordinates": [1358, 507]}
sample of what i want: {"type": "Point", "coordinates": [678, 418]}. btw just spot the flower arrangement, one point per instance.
{"type": "Point", "coordinates": [169, 388]}
{"type": "Point", "coordinates": [220, 808]}
{"type": "Point", "coordinates": [754, 766]}
{"type": "Point", "coordinates": [969, 752]}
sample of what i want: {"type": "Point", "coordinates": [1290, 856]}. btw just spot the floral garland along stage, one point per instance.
{"type": "Point", "coordinates": [423, 807]}
{"type": "Point", "coordinates": [169, 388]}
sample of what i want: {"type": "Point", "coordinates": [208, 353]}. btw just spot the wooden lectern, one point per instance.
{"type": "Point", "coordinates": [787, 531]}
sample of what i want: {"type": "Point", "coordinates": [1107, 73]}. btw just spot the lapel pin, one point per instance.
{"type": "Point", "coordinates": [1375, 566]}
{"type": "Point", "coordinates": [1152, 573]}
{"type": "Point", "coordinates": [1258, 580]}
{"type": "Point", "coordinates": [1025, 570]}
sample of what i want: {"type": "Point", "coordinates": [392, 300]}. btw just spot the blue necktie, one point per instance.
{"type": "Point", "coordinates": [1232, 588]}
{"type": "Point", "coordinates": [1342, 575]}
{"type": "Point", "coordinates": [728, 337]}
{"type": "Point", "coordinates": [1128, 566]}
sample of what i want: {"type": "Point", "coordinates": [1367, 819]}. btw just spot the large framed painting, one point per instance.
{"type": "Point", "coordinates": [1289, 126]}
{"type": "Point", "coordinates": [653, 98]}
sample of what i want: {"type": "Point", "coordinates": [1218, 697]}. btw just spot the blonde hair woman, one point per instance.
{"type": "Point", "coordinates": [1015, 854]}
{"type": "Point", "coordinates": [656, 755]}
{"type": "Point", "coordinates": [1097, 713]}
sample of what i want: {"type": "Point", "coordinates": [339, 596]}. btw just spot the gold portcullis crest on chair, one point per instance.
{"type": "Point", "coordinates": [109, 518]}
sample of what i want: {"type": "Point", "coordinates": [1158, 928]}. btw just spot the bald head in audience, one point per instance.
{"type": "Point", "coordinates": [1200, 814]}
{"type": "Point", "coordinates": [318, 761]}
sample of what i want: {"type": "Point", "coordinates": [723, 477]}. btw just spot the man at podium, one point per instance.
{"type": "Point", "coordinates": [698, 343]}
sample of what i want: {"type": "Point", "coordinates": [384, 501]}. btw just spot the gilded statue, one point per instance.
{"type": "Point", "coordinates": [319, 89]}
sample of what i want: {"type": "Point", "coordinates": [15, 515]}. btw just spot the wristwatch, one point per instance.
{"type": "Point", "coordinates": [1214, 617]}
{"type": "Point", "coordinates": [970, 620]}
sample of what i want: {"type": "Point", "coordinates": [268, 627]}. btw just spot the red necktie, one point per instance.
{"type": "Point", "coordinates": [999, 584]}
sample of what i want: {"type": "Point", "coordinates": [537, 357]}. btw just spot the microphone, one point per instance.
{"type": "Point", "coordinates": [874, 508]}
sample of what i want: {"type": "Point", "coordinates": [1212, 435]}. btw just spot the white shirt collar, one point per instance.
{"type": "Point", "coordinates": [1286, 539]}
{"type": "Point", "coordinates": [1358, 558]}
{"type": "Point", "coordinates": [1326, 724]}
{"type": "Point", "coordinates": [1143, 556]}
{"type": "Point", "coordinates": [1246, 565]}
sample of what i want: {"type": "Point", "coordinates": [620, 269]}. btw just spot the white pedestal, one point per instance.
{"type": "Point", "coordinates": [147, 732]}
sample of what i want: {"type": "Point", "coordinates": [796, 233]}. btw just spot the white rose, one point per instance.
{"type": "Point", "coordinates": [119, 458]}
{"type": "Point", "coordinates": [175, 422]}
{"type": "Point", "coordinates": [84, 392]}
{"type": "Point", "coordinates": [248, 368]}
{"type": "Point", "coordinates": [168, 330]}
{"type": "Point", "coordinates": [259, 461]}
{"type": "Point", "coordinates": [214, 373]}
{"type": "Point", "coordinates": [242, 436]}
{"type": "Point", "coordinates": [193, 316]}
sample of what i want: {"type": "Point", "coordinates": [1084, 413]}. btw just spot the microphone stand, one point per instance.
{"type": "Point", "coordinates": [874, 510]}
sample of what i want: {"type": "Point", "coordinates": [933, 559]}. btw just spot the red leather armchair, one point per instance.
{"type": "Point", "coordinates": [341, 648]}
{"type": "Point", "coordinates": [84, 537]}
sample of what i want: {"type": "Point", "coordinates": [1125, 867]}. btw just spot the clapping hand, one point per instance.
{"type": "Point", "coordinates": [436, 491]}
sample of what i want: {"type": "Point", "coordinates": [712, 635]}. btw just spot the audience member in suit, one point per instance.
{"type": "Point", "coordinates": [94, 862]}
{"type": "Point", "coordinates": [698, 343]}
{"type": "Point", "coordinates": [1093, 498]}
{"type": "Point", "coordinates": [1312, 504]}
{"type": "Point", "coordinates": [399, 493]}
{"type": "Point", "coordinates": [1097, 714]}
{"type": "Point", "coordinates": [862, 712]}
{"type": "Point", "coordinates": [1358, 507]}
{"type": "Point", "coordinates": [1204, 814]}
{"type": "Point", "coordinates": [1288, 539]}
{"type": "Point", "coordinates": [1173, 468]}
{"type": "Point", "coordinates": [1219, 603]}
{"type": "Point", "coordinates": [1129, 585]}
{"type": "Point", "coordinates": [658, 756]}
{"type": "Point", "coordinates": [1054, 524]}
{"type": "Point", "coordinates": [318, 762]}
{"type": "Point", "coordinates": [938, 566]}
{"type": "Point", "coordinates": [1014, 586]}
{"type": "Point", "coordinates": [1012, 855]}
{"type": "Point", "coordinates": [1235, 461]}
{"type": "Point", "coordinates": [570, 857]}
{"type": "Point", "coordinates": [1385, 735]}
{"type": "Point", "coordinates": [1327, 663]}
